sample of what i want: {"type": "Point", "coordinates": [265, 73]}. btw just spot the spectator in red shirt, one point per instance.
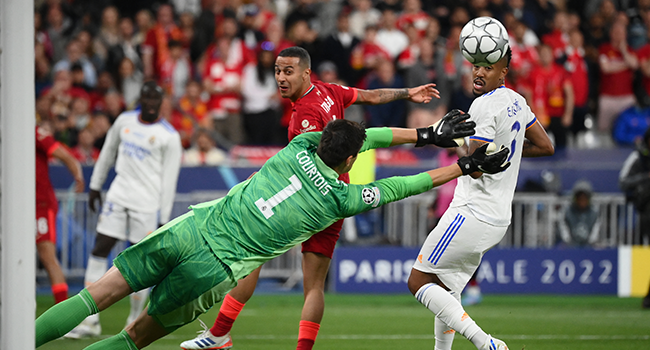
{"type": "Point", "coordinates": [553, 95]}
{"type": "Point", "coordinates": [155, 49]}
{"type": "Point", "coordinates": [366, 56]}
{"type": "Point", "coordinates": [413, 15]}
{"type": "Point", "coordinates": [524, 59]}
{"type": "Point", "coordinates": [85, 151]}
{"type": "Point", "coordinates": [558, 39]}
{"type": "Point", "coordinates": [222, 80]}
{"type": "Point", "coordinates": [47, 207]}
{"type": "Point", "coordinates": [193, 105]}
{"type": "Point", "coordinates": [617, 64]}
{"type": "Point", "coordinates": [176, 71]}
{"type": "Point", "coordinates": [576, 66]}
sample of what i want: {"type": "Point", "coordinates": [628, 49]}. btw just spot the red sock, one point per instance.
{"type": "Point", "coordinates": [307, 333]}
{"type": "Point", "coordinates": [228, 313]}
{"type": "Point", "coordinates": [60, 291]}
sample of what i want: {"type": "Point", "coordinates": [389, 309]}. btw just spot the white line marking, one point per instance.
{"type": "Point", "coordinates": [431, 337]}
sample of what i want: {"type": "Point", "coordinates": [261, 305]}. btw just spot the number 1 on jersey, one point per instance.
{"type": "Point", "coordinates": [266, 206]}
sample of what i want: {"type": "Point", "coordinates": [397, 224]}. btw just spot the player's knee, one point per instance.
{"type": "Point", "coordinates": [414, 284]}
{"type": "Point", "coordinates": [103, 245]}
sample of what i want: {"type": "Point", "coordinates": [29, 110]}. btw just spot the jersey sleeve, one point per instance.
{"type": "Point", "coordinates": [362, 198]}
{"type": "Point", "coordinates": [171, 169]}
{"type": "Point", "coordinates": [45, 142]}
{"type": "Point", "coordinates": [377, 138]}
{"type": "Point", "coordinates": [348, 95]}
{"type": "Point", "coordinates": [531, 119]}
{"type": "Point", "coordinates": [107, 156]}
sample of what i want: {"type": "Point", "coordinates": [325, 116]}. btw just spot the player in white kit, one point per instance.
{"type": "Point", "coordinates": [480, 212]}
{"type": "Point", "coordinates": [146, 151]}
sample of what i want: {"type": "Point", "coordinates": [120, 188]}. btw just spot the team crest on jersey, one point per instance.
{"type": "Point", "coordinates": [370, 196]}
{"type": "Point", "coordinates": [152, 139]}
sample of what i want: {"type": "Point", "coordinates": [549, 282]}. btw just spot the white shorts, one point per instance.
{"type": "Point", "coordinates": [124, 224]}
{"type": "Point", "coordinates": [454, 248]}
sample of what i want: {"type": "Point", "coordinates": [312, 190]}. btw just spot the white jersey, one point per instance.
{"type": "Point", "coordinates": [501, 116]}
{"type": "Point", "coordinates": [147, 160]}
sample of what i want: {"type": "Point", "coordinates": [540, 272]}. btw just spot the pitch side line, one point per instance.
{"type": "Point", "coordinates": [431, 337]}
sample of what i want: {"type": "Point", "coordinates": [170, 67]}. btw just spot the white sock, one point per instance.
{"type": "Point", "coordinates": [138, 301]}
{"type": "Point", "coordinates": [449, 310]}
{"type": "Point", "coordinates": [96, 269]}
{"type": "Point", "coordinates": [444, 334]}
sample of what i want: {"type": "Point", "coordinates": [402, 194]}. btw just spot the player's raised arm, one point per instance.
{"type": "Point", "coordinates": [419, 94]}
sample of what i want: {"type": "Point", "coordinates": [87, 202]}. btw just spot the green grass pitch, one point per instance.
{"type": "Point", "coordinates": [359, 322]}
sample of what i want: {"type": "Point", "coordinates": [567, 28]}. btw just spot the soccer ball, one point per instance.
{"type": "Point", "coordinates": [483, 41]}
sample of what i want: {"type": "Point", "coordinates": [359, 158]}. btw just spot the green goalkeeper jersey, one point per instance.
{"type": "Point", "coordinates": [293, 196]}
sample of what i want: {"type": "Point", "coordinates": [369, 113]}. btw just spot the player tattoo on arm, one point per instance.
{"type": "Point", "coordinates": [389, 95]}
{"type": "Point", "coordinates": [381, 96]}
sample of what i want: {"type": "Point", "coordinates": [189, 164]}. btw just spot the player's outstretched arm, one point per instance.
{"type": "Point", "coordinates": [419, 94]}
{"type": "Point", "coordinates": [73, 165]}
{"type": "Point", "coordinates": [537, 143]}
{"type": "Point", "coordinates": [478, 161]}
{"type": "Point", "coordinates": [454, 125]}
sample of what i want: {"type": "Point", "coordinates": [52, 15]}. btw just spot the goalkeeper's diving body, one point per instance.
{"type": "Point", "coordinates": [194, 260]}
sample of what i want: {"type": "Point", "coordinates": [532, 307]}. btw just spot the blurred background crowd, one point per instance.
{"type": "Point", "coordinates": [583, 65]}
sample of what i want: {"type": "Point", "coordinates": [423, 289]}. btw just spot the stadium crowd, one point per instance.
{"type": "Point", "coordinates": [580, 64]}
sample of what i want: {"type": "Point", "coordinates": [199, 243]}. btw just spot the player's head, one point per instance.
{"type": "Point", "coordinates": [151, 96]}
{"type": "Point", "coordinates": [292, 72]}
{"type": "Point", "coordinates": [488, 78]}
{"type": "Point", "coordinates": [340, 144]}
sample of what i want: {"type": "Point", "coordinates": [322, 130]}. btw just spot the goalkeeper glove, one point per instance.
{"type": "Point", "coordinates": [448, 132]}
{"type": "Point", "coordinates": [487, 163]}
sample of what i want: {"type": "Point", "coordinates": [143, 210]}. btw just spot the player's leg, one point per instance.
{"type": "Point", "coordinates": [316, 257]}
{"type": "Point", "coordinates": [47, 255]}
{"type": "Point", "coordinates": [64, 316]}
{"type": "Point", "coordinates": [140, 225]}
{"type": "Point", "coordinates": [111, 227]}
{"type": "Point", "coordinates": [143, 331]}
{"type": "Point", "coordinates": [45, 247]}
{"type": "Point", "coordinates": [446, 261]}
{"type": "Point", "coordinates": [218, 336]}
{"type": "Point", "coordinates": [314, 267]}
{"type": "Point", "coordinates": [472, 293]}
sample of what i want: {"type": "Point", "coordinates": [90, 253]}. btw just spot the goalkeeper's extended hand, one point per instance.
{"type": "Point", "coordinates": [487, 163]}
{"type": "Point", "coordinates": [454, 125]}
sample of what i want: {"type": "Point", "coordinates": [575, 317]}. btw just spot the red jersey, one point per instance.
{"type": "Point", "coordinates": [224, 72]}
{"type": "Point", "coordinates": [548, 89]}
{"type": "Point", "coordinates": [558, 41]}
{"type": "Point", "coordinates": [419, 20]}
{"type": "Point", "coordinates": [156, 42]}
{"type": "Point", "coordinates": [45, 146]}
{"type": "Point", "coordinates": [615, 84]}
{"type": "Point", "coordinates": [576, 66]}
{"type": "Point", "coordinates": [322, 103]}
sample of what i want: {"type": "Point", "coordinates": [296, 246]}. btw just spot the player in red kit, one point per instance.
{"type": "Point", "coordinates": [47, 207]}
{"type": "Point", "coordinates": [314, 105]}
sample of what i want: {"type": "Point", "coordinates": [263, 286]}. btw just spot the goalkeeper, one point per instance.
{"type": "Point", "coordinates": [194, 260]}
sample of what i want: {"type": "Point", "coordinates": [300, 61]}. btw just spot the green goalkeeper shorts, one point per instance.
{"type": "Point", "coordinates": [187, 278]}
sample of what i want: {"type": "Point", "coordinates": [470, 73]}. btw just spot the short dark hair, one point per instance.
{"type": "Point", "coordinates": [296, 51]}
{"type": "Point", "coordinates": [508, 57]}
{"type": "Point", "coordinates": [341, 138]}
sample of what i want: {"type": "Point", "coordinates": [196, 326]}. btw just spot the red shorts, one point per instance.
{"type": "Point", "coordinates": [324, 241]}
{"type": "Point", "coordinates": [45, 224]}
